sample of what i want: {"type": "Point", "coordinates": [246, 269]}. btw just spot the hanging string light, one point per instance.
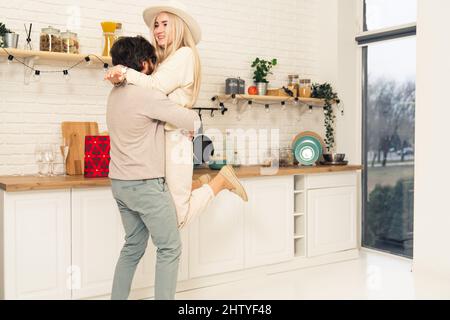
{"type": "Point", "coordinates": [66, 75]}
{"type": "Point", "coordinates": [222, 108]}
{"type": "Point", "coordinates": [295, 101]}
{"type": "Point", "coordinates": [36, 73]}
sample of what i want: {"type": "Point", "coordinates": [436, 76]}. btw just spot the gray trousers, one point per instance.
{"type": "Point", "coordinates": [147, 208]}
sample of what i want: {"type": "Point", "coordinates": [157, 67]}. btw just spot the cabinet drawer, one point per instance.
{"type": "Point", "coordinates": [331, 180]}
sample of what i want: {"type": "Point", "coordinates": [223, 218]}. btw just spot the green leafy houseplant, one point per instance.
{"type": "Point", "coordinates": [262, 69]}
{"type": "Point", "coordinates": [325, 91]}
{"type": "Point", "coordinates": [3, 31]}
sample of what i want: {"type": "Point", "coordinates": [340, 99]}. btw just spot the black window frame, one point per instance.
{"type": "Point", "coordinates": [363, 40]}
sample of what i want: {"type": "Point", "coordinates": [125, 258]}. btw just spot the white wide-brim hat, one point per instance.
{"type": "Point", "coordinates": [176, 8]}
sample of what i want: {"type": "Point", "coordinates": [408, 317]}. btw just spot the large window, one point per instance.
{"type": "Point", "coordinates": [389, 64]}
{"type": "Point", "coordinates": [381, 14]}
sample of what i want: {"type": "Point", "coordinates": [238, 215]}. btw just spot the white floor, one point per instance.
{"type": "Point", "coordinates": [374, 276]}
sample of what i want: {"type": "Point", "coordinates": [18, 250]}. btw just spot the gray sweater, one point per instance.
{"type": "Point", "coordinates": [135, 118]}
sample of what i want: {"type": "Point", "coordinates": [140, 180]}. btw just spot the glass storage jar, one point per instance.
{"type": "Point", "coordinates": [50, 40]}
{"type": "Point", "coordinates": [293, 84]}
{"type": "Point", "coordinates": [70, 42]}
{"type": "Point", "coordinates": [305, 88]}
{"type": "Point", "coordinates": [119, 31]}
{"type": "Point", "coordinates": [286, 157]}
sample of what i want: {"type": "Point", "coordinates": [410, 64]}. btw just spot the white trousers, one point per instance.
{"type": "Point", "coordinates": [179, 170]}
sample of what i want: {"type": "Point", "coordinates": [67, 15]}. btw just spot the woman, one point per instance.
{"type": "Point", "coordinates": [178, 75]}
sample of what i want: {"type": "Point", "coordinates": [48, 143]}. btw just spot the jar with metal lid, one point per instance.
{"type": "Point", "coordinates": [293, 84]}
{"type": "Point", "coordinates": [119, 31]}
{"type": "Point", "coordinates": [50, 40]}
{"type": "Point", "coordinates": [305, 88]}
{"type": "Point", "coordinates": [231, 86]}
{"type": "Point", "coordinates": [241, 85]}
{"type": "Point", "coordinates": [286, 157]}
{"type": "Point", "coordinates": [70, 42]}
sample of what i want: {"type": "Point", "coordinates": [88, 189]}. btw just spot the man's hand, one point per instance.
{"type": "Point", "coordinates": [115, 75]}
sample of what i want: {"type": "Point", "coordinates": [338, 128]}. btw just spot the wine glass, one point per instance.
{"type": "Point", "coordinates": [49, 156]}
{"type": "Point", "coordinates": [39, 157]}
{"type": "Point", "coordinates": [64, 148]}
{"type": "Point", "coordinates": [54, 151]}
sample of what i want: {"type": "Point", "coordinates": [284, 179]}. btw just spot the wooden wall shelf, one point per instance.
{"type": "Point", "coordinates": [54, 56]}
{"type": "Point", "coordinates": [267, 99]}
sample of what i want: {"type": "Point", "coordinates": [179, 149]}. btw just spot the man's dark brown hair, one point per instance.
{"type": "Point", "coordinates": [131, 52]}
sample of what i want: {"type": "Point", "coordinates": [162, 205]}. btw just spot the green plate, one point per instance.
{"type": "Point", "coordinates": [307, 150]}
{"type": "Point", "coordinates": [309, 139]}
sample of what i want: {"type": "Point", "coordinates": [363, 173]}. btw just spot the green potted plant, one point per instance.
{"type": "Point", "coordinates": [9, 39]}
{"type": "Point", "coordinates": [262, 70]}
{"type": "Point", "coordinates": [3, 31]}
{"type": "Point", "coordinates": [325, 91]}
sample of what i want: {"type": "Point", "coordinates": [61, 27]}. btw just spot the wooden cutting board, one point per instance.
{"type": "Point", "coordinates": [74, 133]}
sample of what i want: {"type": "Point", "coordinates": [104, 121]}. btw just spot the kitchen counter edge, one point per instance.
{"type": "Point", "coordinates": [30, 183]}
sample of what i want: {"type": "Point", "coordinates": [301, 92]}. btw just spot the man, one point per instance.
{"type": "Point", "coordinates": [135, 119]}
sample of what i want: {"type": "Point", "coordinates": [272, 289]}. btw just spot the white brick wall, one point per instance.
{"type": "Point", "coordinates": [234, 33]}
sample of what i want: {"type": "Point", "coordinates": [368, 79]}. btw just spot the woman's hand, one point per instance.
{"type": "Point", "coordinates": [115, 75]}
{"type": "Point", "coordinates": [189, 134]}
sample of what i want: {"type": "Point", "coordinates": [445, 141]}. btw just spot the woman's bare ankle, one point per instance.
{"type": "Point", "coordinates": [196, 184]}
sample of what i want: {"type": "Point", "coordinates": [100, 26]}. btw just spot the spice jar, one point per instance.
{"type": "Point", "coordinates": [119, 31]}
{"type": "Point", "coordinates": [50, 40]}
{"type": "Point", "coordinates": [70, 42]}
{"type": "Point", "coordinates": [293, 84]}
{"type": "Point", "coordinates": [305, 88]}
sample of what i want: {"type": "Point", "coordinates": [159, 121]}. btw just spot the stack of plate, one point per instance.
{"type": "Point", "coordinates": [308, 148]}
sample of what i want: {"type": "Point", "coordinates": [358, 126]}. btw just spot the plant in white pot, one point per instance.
{"type": "Point", "coordinates": [262, 70]}
{"type": "Point", "coordinates": [9, 38]}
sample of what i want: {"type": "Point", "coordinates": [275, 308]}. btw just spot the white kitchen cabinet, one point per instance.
{"type": "Point", "coordinates": [97, 238]}
{"type": "Point", "coordinates": [331, 214]}
{"type": "Point", "coordinates": [145, 272]}
{"type": "Point", "coordinates": [36, 245]}
{"type": "Point", "coordinates": [268, 221]}
{"type": "Point", "coordinates": [216, 237]}
{"type": "Point", "coordinates": [65, 244]}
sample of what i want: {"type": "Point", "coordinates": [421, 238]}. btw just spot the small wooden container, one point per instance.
{"type": "Point", "coordinates": [277, 92]}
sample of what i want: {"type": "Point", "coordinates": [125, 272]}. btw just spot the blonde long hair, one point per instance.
{"type": "Point", "coordinates": [181, 36]}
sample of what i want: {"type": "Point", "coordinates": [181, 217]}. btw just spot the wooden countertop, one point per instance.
{"type": "Point", "coordinates": [27, 183]}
